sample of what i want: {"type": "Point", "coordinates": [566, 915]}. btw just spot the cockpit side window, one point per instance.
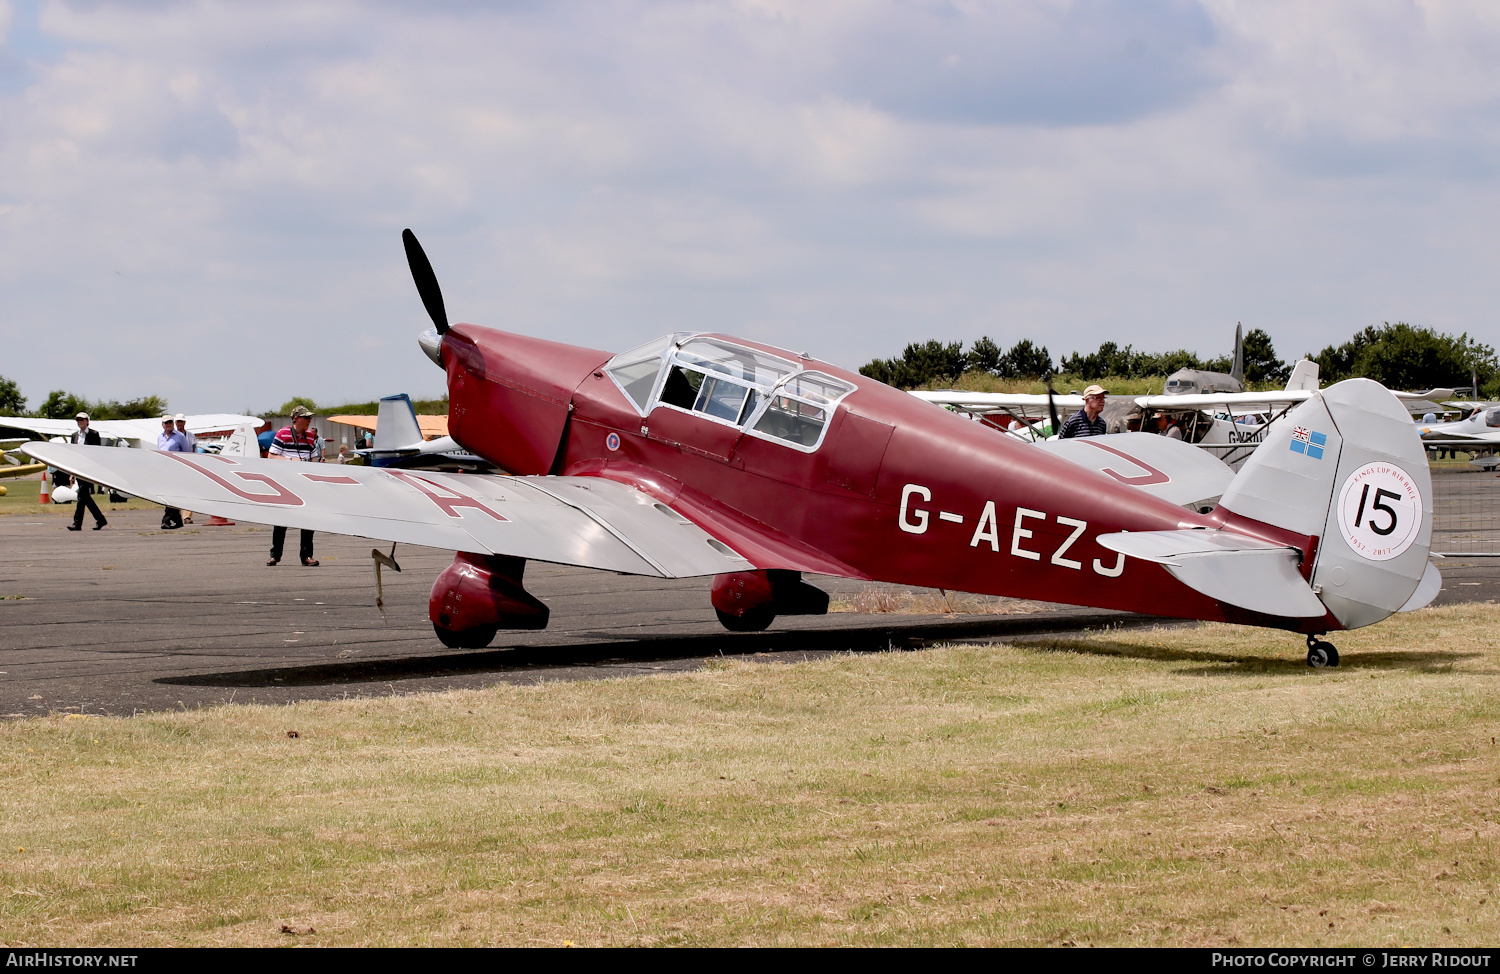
{"type": "Point", "coordinates": [1492, 417]}
{"type": "Point", "coordinates": [681, 387]}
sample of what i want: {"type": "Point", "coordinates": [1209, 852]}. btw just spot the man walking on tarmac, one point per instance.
{"type": "Point", "coordinates": [170, 441]}
{"type": "Point", "coordinates": [295, 443]}
{"type": "Point", "coordinates": [87, 437]}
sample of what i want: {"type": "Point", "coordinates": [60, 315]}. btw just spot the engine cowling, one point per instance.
{"type": "Point", "coordinates": [477, 596]}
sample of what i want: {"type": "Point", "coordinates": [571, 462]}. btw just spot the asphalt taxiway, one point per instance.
{"type": "Point", "coordinates": [132, 618]}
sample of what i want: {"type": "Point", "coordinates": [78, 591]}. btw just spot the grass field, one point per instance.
{"type": "Point", "coordinates": [1190, 786]}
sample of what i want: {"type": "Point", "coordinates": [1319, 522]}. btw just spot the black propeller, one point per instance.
{"type": "Point", "coordinates": [1052, 408]}
{"type": "Point", "coordinates": [426, 281]}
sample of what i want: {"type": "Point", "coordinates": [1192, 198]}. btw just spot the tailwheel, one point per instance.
{"type": "Point", "coordinates": [475, 637]}
{"type": "Point", "coordinates": [1320, 653]}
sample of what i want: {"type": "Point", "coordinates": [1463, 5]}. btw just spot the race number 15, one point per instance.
{"type": "Point", "coordinates": [1380, 511]}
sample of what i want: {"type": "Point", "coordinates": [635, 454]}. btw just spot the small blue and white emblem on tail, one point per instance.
{"type": "Point", "coordinates": [1308, 442]}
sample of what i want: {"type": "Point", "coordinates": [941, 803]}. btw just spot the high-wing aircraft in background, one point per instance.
{"type": "Point", "coordinates": [702, 455]}
{"type": "Point", "coordinates": [1230, 425]}
{"type": "Point", "coordinates": [213, 429]}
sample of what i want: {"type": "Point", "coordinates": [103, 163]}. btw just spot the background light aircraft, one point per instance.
{"type": "Point", "coordinates": [1228, 424]}
{"type": "Point", "coordinates": [1189, 381]}
{"type": "Point", "coordinates": [400, 441]}
{"type": "Point", "coordinates": [702, 455]}
{"type": "Point", "coordinates": [1478, 433]}
{"type": "Point", "coordinates": [1483, 426]}
{"type": "Point", "coordinates": [211, 429]}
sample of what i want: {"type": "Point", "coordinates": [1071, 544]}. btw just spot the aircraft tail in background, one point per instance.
{"type": "Point", "coordinates": [1237, 371]}
{"type": "Point", "coordinates": [396, 424]}
{"type": "Point", "coordinates": [1304, 377]}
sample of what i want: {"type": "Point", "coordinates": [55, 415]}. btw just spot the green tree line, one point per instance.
{"type": "Point", "coordinates": [1399, 356]}
{"type": "Point", "coordinates": [61, 404]}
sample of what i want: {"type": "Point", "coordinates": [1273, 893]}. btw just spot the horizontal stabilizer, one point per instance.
{"type": "Point", "coordinates": [1237, 570]}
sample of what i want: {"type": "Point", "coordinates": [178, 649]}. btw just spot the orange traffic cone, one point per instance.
{"type": "Point", "coordinates": [217, 521]}
{"type": "Point", "coordinates": [46, 495]}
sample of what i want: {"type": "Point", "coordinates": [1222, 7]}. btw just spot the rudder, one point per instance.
{"type": "Point", "coordinates": [396, 424]}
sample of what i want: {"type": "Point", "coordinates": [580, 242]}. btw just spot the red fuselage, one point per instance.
{"type": "Point", "coordinates": [898, 491]}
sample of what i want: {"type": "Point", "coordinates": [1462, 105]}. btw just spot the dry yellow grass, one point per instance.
{"type": "Point", "coordinates": [881, 599]}
{"type": "Point", "coordinates": [1194, 786]}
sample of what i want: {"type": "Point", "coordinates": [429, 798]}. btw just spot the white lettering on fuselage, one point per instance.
{"type": "Point", "coordinates": [1020, 533]}
{"type": "Point", "coordinates": [1023, 540]}
{"type": "Point", "coordinates": [919, 526]}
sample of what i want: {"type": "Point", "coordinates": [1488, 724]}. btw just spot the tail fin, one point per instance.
{"type": "Point", "coordinates": [1237, 371]}
{"type": "Point", "coordinates": [1347, 467]}
{"type": "Point", "coordinates": [396, 424]}
{"type": "Point", "coordinates": [241, 443]}
{"type": "Point", "coordinates": [1304, 377]}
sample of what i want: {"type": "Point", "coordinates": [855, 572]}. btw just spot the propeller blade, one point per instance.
{"type": "Point", "coordinates": [426, 281]}
{"type": "Point", "coordinates": [1052, 409]}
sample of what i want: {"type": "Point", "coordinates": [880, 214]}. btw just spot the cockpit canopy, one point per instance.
{"type": "Point", "coordinates": [763, 394]}
{"type": "Point", "coordinates": [1492, 417]}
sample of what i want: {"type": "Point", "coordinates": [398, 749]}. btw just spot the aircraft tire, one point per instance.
{"type": "Point", "coordinates": [1321, 654]}
{"type": "Point", "coordinates": [756, 620]}
{"type": "Point", "coordinates": [477, 637]}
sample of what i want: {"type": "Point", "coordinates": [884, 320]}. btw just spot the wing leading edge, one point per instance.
{"type": "Point", "coordinates": [583, 521]}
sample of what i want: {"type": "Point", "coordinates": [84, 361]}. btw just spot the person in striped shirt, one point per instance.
{"type": "Point", "coordinates": [295, 442]}
{"type": "Point", "coordinates": [1087, 421]}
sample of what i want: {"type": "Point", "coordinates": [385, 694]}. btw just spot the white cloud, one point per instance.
{"type": "Point", "coordinates": [203, 199]}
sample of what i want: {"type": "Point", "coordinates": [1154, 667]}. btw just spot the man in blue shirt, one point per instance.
{"type": "Point", "coordinates": [171, 441]}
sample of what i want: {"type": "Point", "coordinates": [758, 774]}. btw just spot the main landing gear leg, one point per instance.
{"type": "Point", "coordinates": [1320, 653]}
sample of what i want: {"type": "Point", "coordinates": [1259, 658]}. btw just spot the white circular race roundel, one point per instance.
{"type": "Point", "coordinates": [1380, 511]}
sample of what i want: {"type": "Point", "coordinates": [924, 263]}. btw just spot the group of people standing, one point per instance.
{"type": "Point", "coordinates": [294, 442]}
{"type": "Point", "coordinates": [175, 438]}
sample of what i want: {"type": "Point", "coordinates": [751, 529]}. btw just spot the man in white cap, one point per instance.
{"type": "Point", "coordinates": [1088, 421]}
{"type": "Point", "coordinates": [182, 430]}
{"type": "Point", "coordinates": [86, 437]}
{"type": "Point", "coordinates": [170, 441]}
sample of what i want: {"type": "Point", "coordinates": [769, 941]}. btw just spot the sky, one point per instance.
{"type": "Point", "coordinates": [204, 200]}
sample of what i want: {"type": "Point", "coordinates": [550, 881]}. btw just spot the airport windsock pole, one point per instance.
{"type": "Point", "coordinates": [46, 496]}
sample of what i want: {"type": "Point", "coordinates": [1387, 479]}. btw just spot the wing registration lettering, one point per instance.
{"type": "Point", "coordinates": [447, 498]}
{"type": "Point", "coordinates": [282, 495]}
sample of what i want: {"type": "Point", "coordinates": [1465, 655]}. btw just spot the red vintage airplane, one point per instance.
{"type": "Point", "coordinates": [705, 455]}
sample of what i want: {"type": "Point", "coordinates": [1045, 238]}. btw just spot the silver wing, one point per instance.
{"type": "Point", "coordinates": [584, 521]}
